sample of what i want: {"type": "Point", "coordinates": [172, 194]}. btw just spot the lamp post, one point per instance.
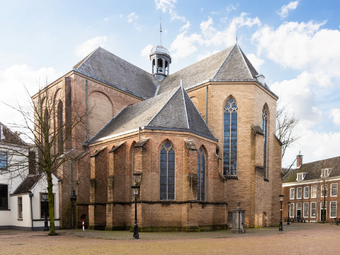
{"type": "Point", "coordinates": [44, 198]}
{"type": "Point", "coordinates": [281, 200]}
{"type": "Point", "coordinates": [135, 190]}
{"type": "Point", "coordinates": [288, 220]}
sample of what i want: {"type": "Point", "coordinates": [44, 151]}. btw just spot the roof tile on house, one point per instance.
{"type": "Point", "coordinates": [27, 184]}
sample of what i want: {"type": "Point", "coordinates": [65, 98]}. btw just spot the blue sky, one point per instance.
{"type": "Point", "coordinates": [294, 44]}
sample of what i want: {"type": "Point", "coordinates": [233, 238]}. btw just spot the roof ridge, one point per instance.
{"type": "Point", "coordinates": [225, 60]}
{"type": "Point", "coordinates": [163, 106]}
{"type": "Point", "coordinates": [86, 58]}
{"type": "Point", "coordinates": [185, 106]}
{"type": "Point", "coordinates": [245, 62]}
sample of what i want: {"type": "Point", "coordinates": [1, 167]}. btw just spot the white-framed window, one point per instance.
{"type": "Point", "coordinates": [313, 209]}
{"type": "Point", "coordinates": [313, 191]}
{"type": "Point", "coordinates": [291, 210]}
{"type": "Point", "coordinates": [334, 190]}
{"type": "Point", "coordinates": [19, 207]}
{"type": "Point", "coordinates": [332, 209]}
{"type": "Point", "coordinates": [292, 193]}
{"type": "Point", "coordinates": [306, 192]}
{"type": "Point", "coordinates": [305, 209]}
{"type": "Point", "coordinates": [299, 193]}
{"type": "Point", "coordinates": [324, 190]}
{"type": "Point", "coordinates": [299, 176]}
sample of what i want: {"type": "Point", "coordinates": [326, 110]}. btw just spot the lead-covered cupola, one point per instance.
{"type": "Point", "coordinates": [160, 61]}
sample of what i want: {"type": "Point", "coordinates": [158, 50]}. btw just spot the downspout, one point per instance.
{"type": "Point", "coordinates": [87, 110]}
{"type": "Point", "coordinates": [206, 104]}
{"type": "Point", "coordinates": [30, 194]}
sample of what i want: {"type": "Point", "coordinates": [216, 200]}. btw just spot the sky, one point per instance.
{"type": "Point", "coordinates": [294, 44]}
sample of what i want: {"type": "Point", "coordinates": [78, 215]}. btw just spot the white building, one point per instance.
{"type": "Point", "coordinates": [22, 190]}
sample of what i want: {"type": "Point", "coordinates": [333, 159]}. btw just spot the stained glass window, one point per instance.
{"type": "Point", "coordinates": [265, 138]}
{"type": "Point", "coordinates": [167, 171]}
{"type": "Point", "coordinates": [200, 175]}
{"type": "Point", "coordinates": [230, 138]}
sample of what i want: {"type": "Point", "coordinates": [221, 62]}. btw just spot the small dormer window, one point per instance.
{"type": "Point", "coordinates": [325, 172]}
{"type": "Point", "coordinates": [300, 176]}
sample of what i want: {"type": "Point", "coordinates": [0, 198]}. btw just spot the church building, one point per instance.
{"type": "Point", "coordinates": [196, 142]}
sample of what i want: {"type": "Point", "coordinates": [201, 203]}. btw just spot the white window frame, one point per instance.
{"type": "Point", "coordinates": [292, 193]}
{"type": "Point", "coordinates": [314, 191]}
{"type": "Point", "coordinates": [299, 177]}
{"type": "Point", "coordinates": [322, 190]}
{"type": "Point", "coordinates": [291, 210]}
{"type": "Point", "coordinates": [304, 192]}
{"type": "Point", "coordinates": [311, 210]}
{"type": "Point", "coordinates": [305, 210]}
{"type": "Point", "coordinates": [299, 195]}
{"type": "Point", "coordinates": [330, 209]}
{"type": "Point", "coordinates": [20, 216]}
{"type": "Point", "coordinates": [336, 188]}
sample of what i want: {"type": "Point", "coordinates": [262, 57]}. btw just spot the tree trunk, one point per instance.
{"type": "Point", "coordinates": [50, 202]}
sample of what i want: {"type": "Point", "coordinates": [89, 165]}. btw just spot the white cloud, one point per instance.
{"type": "Point", "coordinates": [300, 46]}
{"type": "Point", "coordinates": [146, 51]}
{"type": "Point", "coordinates": [87, 47]}
{"type": "Point", "coordinates": [284, 11]}
{"type": "Point", "coordinates": [185, 44]}
{"type": "Point", "coordinates": [231, 7]}
{"type": "Point", "coordinates": [14, 80]}
{"type": "Point", "coordinates": [106, 19]}
{"type": "Point", "coordinates": [132, 17]}
{"type": "Point", "coordinates": [257, 62]}
{"type": "Point", "coordinates": [169, 6]}
{"type": "Point", "coordinates": [205, 55]}
{"type": "Point", "coordinates": [335, 115]}
{"type": "Point", "coordinates": [185, 27]}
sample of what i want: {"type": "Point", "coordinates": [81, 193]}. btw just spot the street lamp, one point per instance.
{"type": "Point", "coordinates": [44, 198]}
{"type": "Point", "coordinates": [135, 190]}
{"type": "Point", "coordinates": [281, 200]}
{"type": "Point", "coordinates": [288, 220]}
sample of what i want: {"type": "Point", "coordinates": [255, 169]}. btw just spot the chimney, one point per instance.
{"type": "Point", "coordinates": [299, 159]}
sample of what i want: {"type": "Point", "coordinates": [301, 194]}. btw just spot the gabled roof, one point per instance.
{"type": "Point", "coordinates": [230, 64]}
{"type": "Point", "coordinates": [172, 110]}
{"type": "Point", "coordinates": [313, 169]}
{"type": "Point", "coordinates": [107, 67]}
{"type": "Point", "coordinates": [27, 184]}
{"type": "Point", "coordinates": [7, 136]}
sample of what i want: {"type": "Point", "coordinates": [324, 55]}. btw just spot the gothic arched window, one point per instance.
{"type": "Point", "coordinates": [265, 139]}
{"type": "Point", "coordinates": [201, 175]}
{"type": "Point", "coordinates": [230, 138]}
{"type": "Point", "coordinates": [167, 172]}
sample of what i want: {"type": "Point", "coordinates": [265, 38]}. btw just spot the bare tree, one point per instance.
{"type": "Point", "coordinates": [47, 128]}
{"type": "Point", "coordinates": [324, 190]}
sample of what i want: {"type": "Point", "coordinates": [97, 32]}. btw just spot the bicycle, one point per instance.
{"type": "Point", "coordinates": [335, 221]}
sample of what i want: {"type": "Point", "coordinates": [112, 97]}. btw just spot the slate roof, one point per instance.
{"type": "Point", "coordinates": [172, 110]}
{"type": "Point", "coordinates": [230, 64]}
{"type": "Point", "coordinates": [27, 184]}
{"type": "Point", "coordinates": [10, 137]}
{"type": "Point", "coordinates": [107, 67]}
{"type": "Point", "coordinates": [313, 169]}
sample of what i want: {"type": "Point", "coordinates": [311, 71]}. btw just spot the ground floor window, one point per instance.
{"type": "Point", "coordinates": [20, 207]}
{"type": "Point", "coordinates": [305, 209]}
{"type": "Point", "coordinates": [313, 209]}
{"type": "Point", "coordinates": [44, 205]}
{"type": "Point", "coordinates": [332, 209]}
{"type": "Point", "coordinates": [291, 210]}
{"type": "Point", "coordinates": [3, 197]}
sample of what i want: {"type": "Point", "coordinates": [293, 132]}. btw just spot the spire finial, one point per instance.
{"type": "Point", "coordinates": [160, 29]}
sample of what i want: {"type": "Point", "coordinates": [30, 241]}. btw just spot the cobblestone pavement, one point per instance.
{"type": "Point", "coordinates": [298, 238]}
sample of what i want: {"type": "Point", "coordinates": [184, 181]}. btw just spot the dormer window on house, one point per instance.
{"type": "Point", "coordinates": [300, 176]}
{"type": "Point", "coordinates": [325, 172]}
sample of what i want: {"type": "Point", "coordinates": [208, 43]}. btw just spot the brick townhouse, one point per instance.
{"type": "Point", "coordinates": [312, 190]}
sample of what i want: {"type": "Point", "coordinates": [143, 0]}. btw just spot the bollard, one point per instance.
{"type": "Point", "coordinates": [83, 224]}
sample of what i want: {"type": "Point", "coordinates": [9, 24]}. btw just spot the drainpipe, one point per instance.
{"type": "Point", "coordinates": [87, 110]}
{"type": "Point", "coordinates": [206, 104]}
{"type": "Point", "coordinates": [31, 195]}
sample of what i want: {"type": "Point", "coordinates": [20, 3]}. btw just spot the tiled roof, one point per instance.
{"type": "Point", "coordinates": [7, 136]}
{"type": "Point", "coordinates": [109, 68]}
{"type": "Point", "coordinates": [313, 169]}
{"type": "Point", "coordinates": [172, 110]}
{"type": "Point", "coordinates": [27, 184]}
{"type": "Point", "coordinates": [230, 64]}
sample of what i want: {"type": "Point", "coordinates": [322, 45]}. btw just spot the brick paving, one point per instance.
{"type": "Point", "coordinates": [298, 238]}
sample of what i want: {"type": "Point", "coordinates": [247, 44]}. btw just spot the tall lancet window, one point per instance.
{"type": "Point", "coordinates": [167, 170]}
{"type": "Point", "coordinates": [230, 138]}
{"type": "Point", "coordinates": [265, 139]}
{"type": "Point", "coordinates": [200, 175]}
